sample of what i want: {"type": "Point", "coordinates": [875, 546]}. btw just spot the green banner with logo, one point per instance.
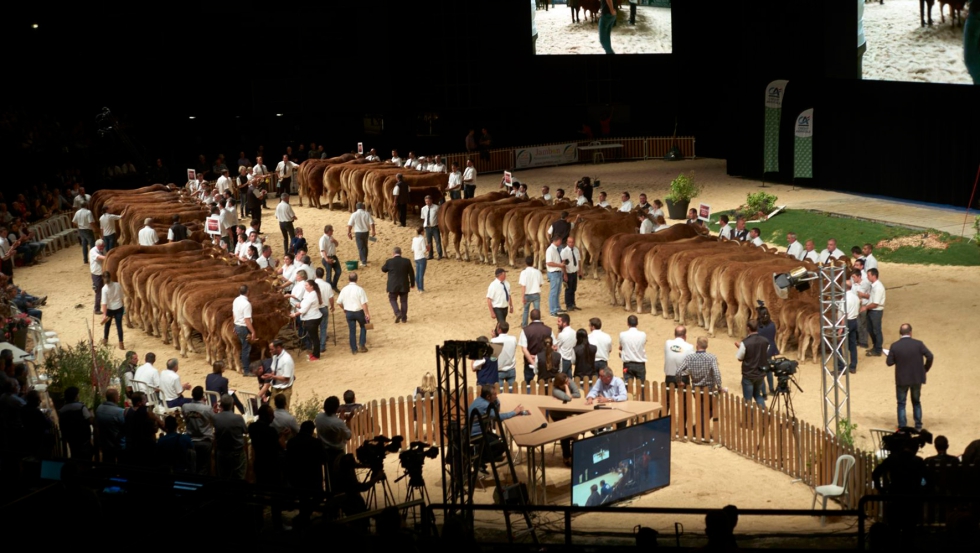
{"type": "Point", "coordinates": [803, 146]}
{"type": "Point", "coordinates": [774, 110]}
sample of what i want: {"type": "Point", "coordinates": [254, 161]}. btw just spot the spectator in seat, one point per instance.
{"type": "Point", "coordinates": [218, 383]}
{"type": "Point", "coordinates": [304, 469]}
{"type": "Point", "coordinates": [76, 425]}
{"type": "Point", "coordinates": [942, 458]}
{"type": "Point", "coordinates": [283, 421]}
{"type": "Point", "coordinates": [175, 451]}
{"type": "Point", "coordinates": [141, 431]}
{"type": "Point", "coordinates": [229, 441]}
{"type": "Point", "coordinates": [110, 421]}
{"type": "Point", "coordinates": [350, 405]}
{"type": "Point", "coordinates": [199, 425]}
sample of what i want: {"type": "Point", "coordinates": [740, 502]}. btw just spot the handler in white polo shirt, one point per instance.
{"type": "Point", "coordinates": [565, 343]}
{"type": "Point", "coordinates": [674, 352]}
{"type": "Point", "coordinates": [632, 350]}
{"type": "Point", "coordinates": [107, 223]}
{"type": "Point", "coordinates": [601, 341]}
{"type": "Point", "coordinates": [148, 236]}
{"type": "Point", "coordinates": [531, 281]}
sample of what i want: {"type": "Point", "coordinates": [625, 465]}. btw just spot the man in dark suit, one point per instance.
{"type": "Point", "coordinates": [401, 279]}
{"type": "Point", "coordinates": [912, 360]}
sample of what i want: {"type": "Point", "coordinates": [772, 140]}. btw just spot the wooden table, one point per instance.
{"type": "Point", "coordinates": [526, 431]}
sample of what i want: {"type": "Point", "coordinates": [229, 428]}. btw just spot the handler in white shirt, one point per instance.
{"type": "Point", "coordinates": [148, 236]}
{"type": "Point", "coordinates": [831, 251]}
{"type": "Point", "coordinates": [632, 350]}
{"type": "Point", "coordinates": [455, 182]}
{"type": "Point", "coordinates": [531, 281]}
{"type": "Point", "coordinates": [107, 223]}
{"type": "Point", "coordinates": [507, 360]}
{"type": "Point", "coordinates": [284, 170]}
{"type": "Point", "coordinates": [285, 215]}
{"type": "Point", "coordinates": [224, 182]}
{"type": "Point", "coordinates": [646, 224]}
{"type": "Point", "coordinates": [674, 352]}
{"type": "Point", "coordinates": [601, 341]}
{"type": "Point", "coordinates": [469, 180]}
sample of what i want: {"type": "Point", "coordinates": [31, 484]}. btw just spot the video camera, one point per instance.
{"type": "Point", "coordinates": [906, 439]}
{"type": "Point", "coordinates": [372, 453]}
{"type": "Point", "coordinates": [413, 458]}
{"type": "Point", "coordinates": [783, 369]}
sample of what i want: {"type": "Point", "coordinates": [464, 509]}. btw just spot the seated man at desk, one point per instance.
{"type": "Point", "coordinates": [494, 448]}
{"type": "Point", "coordinates": [608, 389]}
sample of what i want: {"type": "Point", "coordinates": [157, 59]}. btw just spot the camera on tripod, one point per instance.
{"type": "Point", "coordinates": [413, 458]}
{"type": "Point", "coordinates": [372, 453]}
{"type": "Point", "coordinates": [783, 369]}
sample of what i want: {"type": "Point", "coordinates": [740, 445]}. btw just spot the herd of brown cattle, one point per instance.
{"type": "Point", "coordinates": [350, 179]}
{"type": "Point", "coordinates": [172, 304]}
{"type": "Point", "coordinates": [683, 270]}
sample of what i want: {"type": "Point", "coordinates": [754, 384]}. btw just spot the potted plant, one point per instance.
{"type": "Point", "coordinates": [67, 367]}
{"type": "Point", "coordinates": [682, 190]}
{"type": "Point", "coordinates": [15, 330]}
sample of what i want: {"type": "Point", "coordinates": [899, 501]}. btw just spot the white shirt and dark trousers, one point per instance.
{"type": "Point", "coordinates": [285, 215]}
{"type": "Point", "coordinates": [572, 258]}
{"type": "Point", "coordinates": [431, 224]}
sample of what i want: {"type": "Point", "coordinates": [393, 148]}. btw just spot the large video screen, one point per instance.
{"type": "Point", "coordinates": [575, 27]}
{"type": "Point", "coordinates": [617, 465]}
{"type": "Point", "coordinates": [917, 41]}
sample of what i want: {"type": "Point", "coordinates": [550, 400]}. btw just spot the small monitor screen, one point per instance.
{"type": "Point", "coordinates": [51, 470]}
{"type": "Point", "coordinates": [617, 465]}
{"type": "Point", "coordinates": [583, 27]}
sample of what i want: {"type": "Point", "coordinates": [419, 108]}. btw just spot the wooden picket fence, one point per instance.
{"type": "Point", "coordinates": [769, 438]}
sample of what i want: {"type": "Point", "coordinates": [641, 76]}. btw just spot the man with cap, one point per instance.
{"type": "Point", "coordinates": [148, 236]}
{"type": "Point", "coordinates": [499, 299]}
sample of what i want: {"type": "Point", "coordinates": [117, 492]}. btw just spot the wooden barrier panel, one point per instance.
{"type": "Point", "coordinates": [770, 438]}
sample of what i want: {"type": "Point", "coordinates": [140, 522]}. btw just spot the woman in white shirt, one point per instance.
{"type": "Point", "coordinates": [661, 224]}
{"type": "Point", "coordinates": [112, 308]}
{"type": "Point", "coordinates": [658, 209]}
{"type": "Point", "coordinates": [309, 313]}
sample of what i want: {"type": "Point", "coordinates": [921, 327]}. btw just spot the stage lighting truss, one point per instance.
{"type": "Point", "coordinates": [836, 384]}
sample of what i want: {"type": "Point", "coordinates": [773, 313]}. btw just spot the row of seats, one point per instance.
{"type": "Point", "coordinates": [55, 232]}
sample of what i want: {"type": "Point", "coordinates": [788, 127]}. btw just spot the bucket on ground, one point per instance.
{"type": "Point", "coordinates": [351, 265]}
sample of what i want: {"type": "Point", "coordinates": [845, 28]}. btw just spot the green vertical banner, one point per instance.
{"type": "Point", "coordinates": [803, 146]}
{"type": "Point", "coordinates": [774, 109]}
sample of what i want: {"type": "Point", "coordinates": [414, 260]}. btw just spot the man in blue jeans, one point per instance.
{"type": "Point", "coordinates": [556, 272]}
{"type": "Point", "coordinates": [607, 18]}
{"type": "Point", "coordinates": [358, 226]}
{"type": "Point", "coordinates": [531, 281]}
{"type": "Point", "coordinates": [753, 352]}
{"type": "Point", "coordinates": [353, 300]}
{"type": "Point", "coordinates": [912, 360]}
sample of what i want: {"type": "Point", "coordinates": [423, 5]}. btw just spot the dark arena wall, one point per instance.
{"type": "Point", "coordinates": [432, 70]}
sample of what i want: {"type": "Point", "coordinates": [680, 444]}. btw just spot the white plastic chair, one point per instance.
{"type": "Point", "coordinates": [836, 489]}
{"type": "Point", "coordinates": [878, 437]}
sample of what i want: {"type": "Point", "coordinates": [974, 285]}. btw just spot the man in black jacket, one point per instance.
{"type": "Point", "coordinates": [753, 352]}
{"type": "Point", "coordinates": [401, 279]}
{"type": "Point", "coordinates": [912, 360]}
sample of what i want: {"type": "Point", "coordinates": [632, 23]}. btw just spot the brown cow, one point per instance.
{"type": "Point", "coordinates": [450, 217]}
{"type": "Point", "coordinates": [613, 247]}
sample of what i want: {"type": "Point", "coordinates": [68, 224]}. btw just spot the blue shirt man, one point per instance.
{"type": "Point", "coordinates": [488, 396]}
{"type": "Point", "coordinates": [608, 389]}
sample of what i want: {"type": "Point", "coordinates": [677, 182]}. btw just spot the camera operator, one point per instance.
{"type": "Point", "coordinates": [902, 473]}
{"type": "Point", "coordinates": [488, 396]}
{"type": "Point", "coordinates": [753, 352]}
{"type": "Point", "coordinates": [767, 329]}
